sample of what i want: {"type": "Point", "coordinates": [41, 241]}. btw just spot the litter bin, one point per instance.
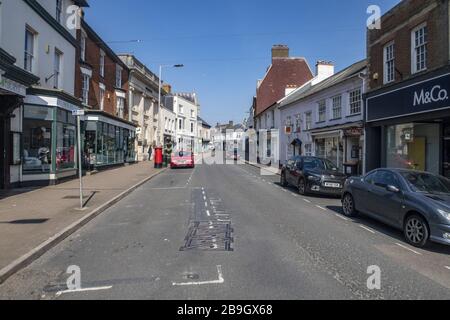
{"type": "Point", "coordinates": [158, 158]}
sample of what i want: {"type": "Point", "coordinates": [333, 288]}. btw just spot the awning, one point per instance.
{"type": "Point", "coordinates": [297, 142]}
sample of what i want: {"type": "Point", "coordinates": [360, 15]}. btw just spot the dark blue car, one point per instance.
{"type": "Point", "coordinates": [416, 202]}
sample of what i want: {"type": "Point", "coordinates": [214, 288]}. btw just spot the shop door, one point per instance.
{"type": "Point", "coordinates": [2, 153]}
{"type": "Point", "coordinates": [416, 153]}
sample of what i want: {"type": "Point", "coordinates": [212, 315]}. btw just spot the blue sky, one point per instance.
{"type": "Point", "coordinates": [226, 45]}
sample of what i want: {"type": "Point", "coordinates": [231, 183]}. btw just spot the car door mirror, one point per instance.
{"type": "Point", "coordinates": [393, 189]}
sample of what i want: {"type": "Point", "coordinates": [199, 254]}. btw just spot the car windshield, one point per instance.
{"type": "Point", "coordinates": [316, 163]}
{"type": "Point", "coordinates": [427, 183]}
{"type": "Point", "coordinates": [183, 154]}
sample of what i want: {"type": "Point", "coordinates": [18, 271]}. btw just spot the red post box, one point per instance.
{"type": "Point", "coordinates": [158, 157]}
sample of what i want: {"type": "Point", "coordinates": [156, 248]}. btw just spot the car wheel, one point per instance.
{"type": "Point", "coordinates": [302, 187]}
{"type": "Point", "coordinates": [416, 231]}
{"type": "Point", "coordinates": [348, 205]}
{"type": "Point", "coordinates": [283, 181]}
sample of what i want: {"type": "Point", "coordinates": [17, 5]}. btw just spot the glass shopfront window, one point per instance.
{"type": "Point", "coordinates": [413, 146]}
{"type": "Point", "coordinates": [37, 139]}
{"type": "Point", "coordinates": [106, 144]}
{"type": "Point", "coordinates": [65, 141]}
{"type": "Point", "coordinates": [331, 149]}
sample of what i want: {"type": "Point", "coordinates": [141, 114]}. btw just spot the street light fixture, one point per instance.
{"type": "Point", "coordinates": [159, 90]}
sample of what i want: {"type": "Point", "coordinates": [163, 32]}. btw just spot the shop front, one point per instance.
{"type": "Point", "coordinates": [48, 138]}
{"type": "Point", "coordinates": [109, 141]}
{"type": "Point", "coordinates": [342, 145]}
{"type": "Point", "coordinates": [14, 82]}
{"type": "Point", "coordinates": [408, 126]}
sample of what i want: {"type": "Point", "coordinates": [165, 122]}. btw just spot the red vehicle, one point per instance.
{"type": "Point", "coordinates": [182, 159]}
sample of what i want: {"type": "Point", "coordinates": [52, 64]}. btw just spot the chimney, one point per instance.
{"type": "Point", "coordinates": [167, 88]}
{"type": "Point", "coordinates": [289, 89]}
{"type": "Point", "coordinates": [231, 123]}
{"type": "Point", "coordinates": [280, 51]}
{"type": "Point", "coordinates": [324, 70]}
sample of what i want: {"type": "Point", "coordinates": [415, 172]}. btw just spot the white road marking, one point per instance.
{"type": "Point", "coordinates": [206, 204]}
{"type": "Point", "coordinates": [367, 229]}
{"type": "Point", "coordinates": [409, 249]}
{"type": "Point", "coordinates": [306, 200]}
{"type": "Point", "coordinates": [200, 283]}
{"type": "Point", "coordinates": [208, 213]}
{"type": "Point", "coordinates": [447, 267]}
{"type": "Point", "coordinates": [59, 293]}
{"type": "Point", "coordinates": [204, 198]}
{"type": "Point", "coordinates": [340, 216]}
{"type": "Point", "coordinates": [322, 208]}
{"type": "Point", "coordinates": [295, 195]}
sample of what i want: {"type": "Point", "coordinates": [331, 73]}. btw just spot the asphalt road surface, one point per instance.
{"type": "Point", "coordinates": [227, 232]}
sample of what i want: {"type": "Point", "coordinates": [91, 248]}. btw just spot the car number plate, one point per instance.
{"type": "Point", "coordinates": [332, 185]}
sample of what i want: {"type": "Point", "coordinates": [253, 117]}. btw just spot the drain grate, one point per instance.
{"type": "Point", "coordinates": [209, 236]}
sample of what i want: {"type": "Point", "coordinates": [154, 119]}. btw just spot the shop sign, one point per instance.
{"type": "Point", "coordinates": [12, 86]}
{"type": "Point", "coordinates": [428, 95]}
{"type": "Point", "coordinates": [353, 132]}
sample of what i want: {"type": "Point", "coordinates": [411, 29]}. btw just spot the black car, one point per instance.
{"type": "Point", "coordinates": [418, 203]}
{"type": "Point", "coordinates": [313, 175]}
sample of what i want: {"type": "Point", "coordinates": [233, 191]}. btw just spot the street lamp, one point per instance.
{"type": "Point", "coordinates": [160, 87]}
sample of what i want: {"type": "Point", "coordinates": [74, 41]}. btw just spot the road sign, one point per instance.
{"type": "Point", "coordinates": [78, 112]}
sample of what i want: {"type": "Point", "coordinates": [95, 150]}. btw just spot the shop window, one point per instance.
{"type": "Point", "coordinates": [65, 146]}
{"type": "Point", "coordinates": [37, 143]}
{"type": "Point", "coordinates": [413, 146]}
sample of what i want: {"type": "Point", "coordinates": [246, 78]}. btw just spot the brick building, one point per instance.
{"type": "Point", "coordinates": [101, 82]}
{"type": "Point", "coordinates": [407, 106]}
{"type": "Point", "coordinates": [283, 76]}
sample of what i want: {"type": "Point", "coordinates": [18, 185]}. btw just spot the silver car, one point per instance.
{"type": "Point", "coordinates": [416, 202]}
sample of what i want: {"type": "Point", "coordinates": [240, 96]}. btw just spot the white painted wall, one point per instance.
{"type": "Point", "coordinates": [185, 133]}
{"type": "Point", "coordinates": [16, 15]}
{"type": "Point", "coordinates": [311, 104]}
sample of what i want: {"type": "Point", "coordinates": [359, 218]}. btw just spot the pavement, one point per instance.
{"type": "Point", "coordinates": [30, 218]}
{"type": "Point", "coordinates": [228, 232]}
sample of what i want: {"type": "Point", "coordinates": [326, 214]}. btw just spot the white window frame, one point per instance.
{"type": "Point", "coordinates": [298, 123]}
{"type": "Point", "coordinates": [320, 112]}
{"type": "Point", "coordinates": [308, 150]}
{"type": "Point", "coordinates": [389, 62]}
{"type": "Point", "coordinates": [29, 53]}
{"type": "Point", "coordinates": [85, 89]}
{"type": "Point", "coordinates": [102, 63]}
{"type": "Point", "coordinates": [102, 96]}
{"type": "Point", "coordinates": [58, 56]}
{"type": "Point", "coordinates": [119, 70]}
{"type": "Point", "coordinates": [308, 120]}
{"type": "Point", "coordinates": [337, 107]}
{"type": "Point", "coordinates": [416, 45]}
{"type": "Point", "coordinates": [355, 104]}
{"type": "Point", "coordinates": [120, 107]}
{"type": "Point", "coordinates": [83, 46]}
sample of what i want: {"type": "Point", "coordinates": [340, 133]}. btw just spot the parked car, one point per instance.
{"type": "Point", "coordinates": [418, 203]}
{"type": "Point", "coordinates": [182, 159]}
{"type": "Point", "coordinates": [313, 175]}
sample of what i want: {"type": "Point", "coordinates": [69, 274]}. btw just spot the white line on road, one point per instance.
{"type": "Point", "coordinates": [208, 213]}
{"type": "Point", "coordinates": [341, 217]}
{"type": "Point", "coordinates": [447, 267]}
{"type": "Point", "coordinates": [200, 283]}
{"type": "Point", "coordinates": [206, 204]}
{"type": "Point", "coordinates": [306, 200]}
{"type": "Point", "coordinates": [82, 290]}
{"type": "Point", "coordinates": [409, 249]}
{"type": "Point", "coordinates": [322, 208]}
{"type": "Point", "coordinates": [367, 229]}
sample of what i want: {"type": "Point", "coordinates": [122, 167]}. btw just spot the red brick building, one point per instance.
{"type": "Point", "coordinates": [407, 107]}
{"type": "Point", "coordinates": [101, 82]}
{"type": "Point", "coordinates": [285, 73]}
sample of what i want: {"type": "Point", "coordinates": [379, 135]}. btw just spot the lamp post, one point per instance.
{"type": "Point", "coordinates": [159, 90]}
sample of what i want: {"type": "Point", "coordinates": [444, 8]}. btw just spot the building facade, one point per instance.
{"type": "Point", "coordinates": [42, 128]}
{"type": "Point", "coordinates": [324, 118]}
{"type": "Point", "coordinates": [143, 103]}
{"type": "Point", "coordinates": [407, 108]}
{"type": "Point", "coordinates": [102, 86]}
{"type": "Point", "coordinates": [186, 108]}
{"type": "Point", "coordinates": [204, 135]}
{"type": "Point", "coordinates": [284, 75]}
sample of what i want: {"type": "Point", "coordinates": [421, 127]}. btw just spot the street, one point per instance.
{"type": "Point", "coordinates": [227, 232]}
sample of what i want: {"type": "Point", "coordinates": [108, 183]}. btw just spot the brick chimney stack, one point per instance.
{"type": "Point", "coordinates": [280, 51]}
{"type": "Point", "coordinates": [167, 88]}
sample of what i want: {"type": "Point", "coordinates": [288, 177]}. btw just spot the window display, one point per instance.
{"type": "Point", "coordinates": [37, 144]}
